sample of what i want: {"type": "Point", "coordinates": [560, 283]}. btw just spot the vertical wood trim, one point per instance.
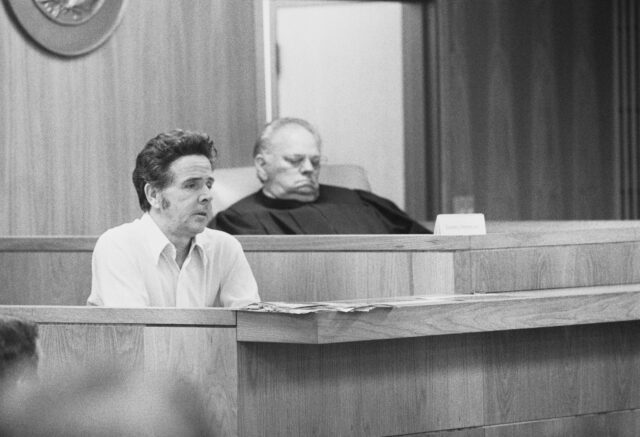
{"type": "Point", "coordinates": [275, 59]}
{"type": "Point", "coordinates": [435, 182]}
{"type": "Point", "coordinates": [414, 110]}
{"type": "Point", "coordinates": [261, 64]}
{"type": "Point", "coordinates": [442, 18]}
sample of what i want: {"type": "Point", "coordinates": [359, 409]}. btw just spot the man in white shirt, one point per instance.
{"type": "Point", "coordinates": [169, 257]}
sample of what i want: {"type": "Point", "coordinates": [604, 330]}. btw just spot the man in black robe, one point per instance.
{"type": "Point", "coordinates": [291, 201]}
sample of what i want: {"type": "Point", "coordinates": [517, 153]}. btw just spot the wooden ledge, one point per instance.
{"type": "Point", "coordinates": [436, 243]}
{"type": "Point", "coordinates": [122, 316]}
{"type": "Point", "coordinates": [455, 314]}
{"type": "Point", "coordinates": [71, 243]}
{"type": "Point", "coordinates": [525, 235]}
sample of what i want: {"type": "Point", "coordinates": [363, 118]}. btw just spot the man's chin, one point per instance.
{"type": "Point", "coordinates": [199, 224]}
{"type": "Point", "coordinates": [305, 194]}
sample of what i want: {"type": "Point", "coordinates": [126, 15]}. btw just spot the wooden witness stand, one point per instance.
{"type": "Point", "coordinates": [530, 332]}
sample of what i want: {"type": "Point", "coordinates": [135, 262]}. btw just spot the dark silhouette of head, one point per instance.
{"type": "Point", "coordinates": [19, 350]}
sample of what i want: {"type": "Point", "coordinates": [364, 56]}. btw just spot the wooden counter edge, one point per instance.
{"type": "Point", "coordinates": [127, 316]}
{"type": "Point", "coordinates": [363, 243]}
{"type": "Point", "coordinates": [484, 313]}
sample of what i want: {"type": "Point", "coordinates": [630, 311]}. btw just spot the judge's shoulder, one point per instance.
{"type": "Point", "coordinates": [328, 194]}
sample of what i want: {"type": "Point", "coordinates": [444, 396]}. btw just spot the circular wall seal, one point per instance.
{"type": "Point", "coordinates": [68, 27]}
{"type": "Point", "coordinates": [69, 12]}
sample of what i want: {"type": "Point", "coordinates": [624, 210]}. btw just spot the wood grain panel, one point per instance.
{"type": "Point", "coordinates": [453, 314]}
{"type": "Point", "coordinates": [346, 389]}
{"type": "Point", "coordinates": [52, 278]}
{"type": "Point", "coordinates": [621, 423]}
{"type": "Point", "coordinates": [618, 424]}
{"type": "Point", "coordinates": [67, 243]}
{"type": "Point", "coordinates": [556, 372]}
{"type": "Point", "coordinates": [57, 270]}
{"type": "Point", "coordinates": [463, 278]}
{"type": "Point", "coordinates": [67, 348]}
{"type": "Point", "coordinates": [206, 358]}
{"type": "Point", "coordinates": [468, 432]}
{"type": "Point", "coordinates": [582, 426]}
{"type": "Point", "coordinates": [571, 381]}
{"type": "Point", "coordinates": [90, 315]}
{"type": "Point", "coordinates": [554, 267]}
{"type": "Point", "coordinates": [312, 276]}
{"type": "Point", "coordinates": [556, 237]}
{"type": "Point", "coordinates": [352, 243]}
{"type": "Point", "coordinates": [500, 234]}
{"type": "Point", "coordinates": [496, 227]}
{"type": "Point", "coordinates": [70, 128]}
{"type": "Point", "coordinates": [511, 234]}
{"type": "Point", "coordinates": [436, 273]}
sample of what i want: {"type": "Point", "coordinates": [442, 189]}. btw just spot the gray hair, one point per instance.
{"type": "Point", "coordinates": [264, 140]}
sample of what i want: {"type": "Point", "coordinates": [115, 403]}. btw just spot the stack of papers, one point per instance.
{"type": "Point", "coordinates": [312, 307]}
{"type": "Point", "coordinates": [367, 305]}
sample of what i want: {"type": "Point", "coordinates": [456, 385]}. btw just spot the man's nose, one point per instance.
{"type": "Point", "coordinates": [207, 194]}
{"type": "Point", "coordinates": [306, 165]}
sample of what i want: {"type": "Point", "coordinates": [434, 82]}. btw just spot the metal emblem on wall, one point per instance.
{"type": "Point", "coordinates": [69, 12]}
{"type": "Point", "coordinates": [68, 27]}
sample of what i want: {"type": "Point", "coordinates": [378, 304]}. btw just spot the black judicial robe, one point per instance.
{"type": "Point", "coordinates": [336, 211]}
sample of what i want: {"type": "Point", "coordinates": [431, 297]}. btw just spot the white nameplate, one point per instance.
{"type": "Point", "coordinates": [460, 224]}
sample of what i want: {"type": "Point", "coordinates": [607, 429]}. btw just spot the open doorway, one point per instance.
{"type": "Point", "coordinates": [356, 70]}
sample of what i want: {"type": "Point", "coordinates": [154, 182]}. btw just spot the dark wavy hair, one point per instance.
{"type": "Point", "coordinates": [153, 162]}
{"type": "Point", "coordinates": [18, 346]}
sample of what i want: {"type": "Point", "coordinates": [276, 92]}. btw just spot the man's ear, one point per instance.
{"type": "Point", "coordinates": [153, 195]}
{"type": "Point", "coordinates": [260, 164]}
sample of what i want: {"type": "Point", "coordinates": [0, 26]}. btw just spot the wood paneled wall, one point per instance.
{"type": "Point", "coordinates": [561, 378]}
{"type": "Point", "coordinates": [150, 346]}
{"type": "Point", "coordinates": [514, 383]}
{"type": "Point", "coordinates": [70, 128]}
{"type": "Point", "coordinates": [57, 270]}
{"type": "Point", "coordinates": [523, 108]}
{"type": "Point", "coordinates": [526, 112]}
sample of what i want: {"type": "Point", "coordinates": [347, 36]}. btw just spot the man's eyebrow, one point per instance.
{"type": "Point", "coordinates": [197, 178]}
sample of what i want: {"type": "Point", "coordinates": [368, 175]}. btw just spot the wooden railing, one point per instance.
{"type": "Point", "coordinates": [499, 364]}
{"type": "Point", "coordinates": [531, 255]}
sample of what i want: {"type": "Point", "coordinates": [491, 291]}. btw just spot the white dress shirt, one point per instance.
{"type": "Point", "coordinates": [134, 265]}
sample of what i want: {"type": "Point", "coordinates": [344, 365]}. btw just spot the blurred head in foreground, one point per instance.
{"type": "Point", "coordinates": [104, 401]}
{"type": "Point", "coordinates": [19, 351]}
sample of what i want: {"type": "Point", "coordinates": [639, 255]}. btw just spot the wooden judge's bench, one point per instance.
{"type": "Point", "coordinates": [533, 329]}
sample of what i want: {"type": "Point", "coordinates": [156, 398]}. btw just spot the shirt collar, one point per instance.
{"type": "Point", "coordinates": [159, 243]}
{"type": "Point", "coordinates": [199, 243]}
